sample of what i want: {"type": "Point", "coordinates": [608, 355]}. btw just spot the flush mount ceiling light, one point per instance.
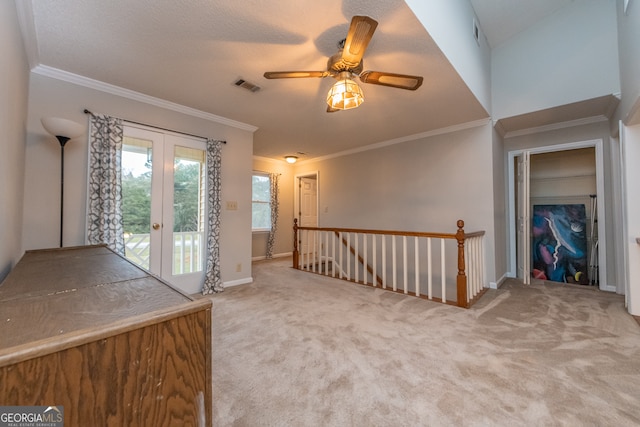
{"type": "Point", "coordinates": [345, 93]}
{"type": "Point", "coordinates": [291, 159]}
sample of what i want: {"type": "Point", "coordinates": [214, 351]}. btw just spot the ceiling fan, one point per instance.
{"type": "Point", "coordinates": [347, 64]}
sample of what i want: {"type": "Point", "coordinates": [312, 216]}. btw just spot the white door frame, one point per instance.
{"type": "Point", "coordinates": [161, 259]}
{"type": "Point", "coordinates": [512, 224]}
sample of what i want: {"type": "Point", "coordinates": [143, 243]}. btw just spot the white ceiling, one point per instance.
{"type": "Point", "coordinates": [191, 52]}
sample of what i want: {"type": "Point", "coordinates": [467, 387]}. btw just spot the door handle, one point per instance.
{"type": "Point", "coordinates": [156, 226]}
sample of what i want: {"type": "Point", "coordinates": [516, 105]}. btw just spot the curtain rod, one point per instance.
{"type": "Point", "coordinates": [269, 173]}
{"type": "Point", "coordinates": [158, 127]}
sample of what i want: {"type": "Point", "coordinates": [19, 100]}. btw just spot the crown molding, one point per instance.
{"type": "Point", "coordinates": [270, 160]}
{"type": "Point", "coordinates": [408, 138]}
{"type": "Point", "coordinates": [633, 117]}
{"type": "Point", "coordinates": [556, 126]}
{"type": "Point", "coordinates": [76, 79]}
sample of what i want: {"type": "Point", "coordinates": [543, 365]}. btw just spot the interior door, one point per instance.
{"type": "Point", "coordinates": [164, 205]}
{"type": "Point", "coordinates": [307, 214]}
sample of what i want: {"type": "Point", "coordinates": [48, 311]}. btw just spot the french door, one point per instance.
{"type": "Point", "coordinates": [164, 214]}
{"type": "Point", "coordinates": [524, 219]}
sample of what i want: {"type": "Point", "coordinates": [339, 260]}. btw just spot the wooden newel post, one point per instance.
{"type": "Point", "coordinates": [295, 243]}
{"type": "Point", "coordinates": [461, 279]}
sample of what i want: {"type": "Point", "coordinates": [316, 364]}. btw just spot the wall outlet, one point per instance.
{"type": "Point", "coordinates": [238, 267]}
{"type": "Point", "coordinates": [232, 205]}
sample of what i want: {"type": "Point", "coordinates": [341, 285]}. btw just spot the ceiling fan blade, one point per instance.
{"type": "Point", "coordinates": [360, 34]}
{"type": "Point", "coordinates": [294, 74]}
{"type": "Point", "coordinates": [400, 81]}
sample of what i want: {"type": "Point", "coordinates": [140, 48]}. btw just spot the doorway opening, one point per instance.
{"type": "Point", "coordinates": [556, 219]}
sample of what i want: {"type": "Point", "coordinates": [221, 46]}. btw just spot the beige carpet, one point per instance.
{"type": "Point", "coordinates": [297, 349]}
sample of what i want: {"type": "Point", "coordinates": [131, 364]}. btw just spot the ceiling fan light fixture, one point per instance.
{"type": "Point", "coordinates": [345, 93]}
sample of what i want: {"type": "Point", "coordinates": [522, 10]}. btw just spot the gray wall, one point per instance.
{"type": "Point", "coordinates": [421, 185]}
{"type": "Point", "coordinates": [14, 84]}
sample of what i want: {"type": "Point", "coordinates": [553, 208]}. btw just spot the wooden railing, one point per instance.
{"type": "Point", "coordinates": [370, 257]}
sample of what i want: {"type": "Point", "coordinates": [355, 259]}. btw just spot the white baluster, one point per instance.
{"type": "Point", "coordinates": [430, 270]}
{"type": "Point", "coordinates": [341, 275]}
{"type": "Point", "coordinates": [365, 273]}
{"type": "Point", "coordinates": [443, 272]}
{"type": "Point", "coordinates": [326, 253]}
{"type": "Point", "coordinates": [355, 257]}
{"type": "Point", "coordinates": [374, 253]}
{"type": "Point", "coordinates": [417, 266]}
{"type": "Point", "coordinates": [314, 258]}
{"type": "Point", "coordinates": [394, 262]}
{"type": "Point", "coordinates": [404, 265]}
{"type": "Point", "coordinates": [333, 251]}
{"type": "Point", "coordinates": [348, 256]}
{"type": "Point", "coordinates": [384, 261]}
{"type": "Point", "coordinates": [481, 263]}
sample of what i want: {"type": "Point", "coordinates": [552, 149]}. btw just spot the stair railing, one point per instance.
{"type": "Point", "coordinates": [386, 259]}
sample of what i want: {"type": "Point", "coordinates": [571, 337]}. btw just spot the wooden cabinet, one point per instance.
{"type": "Point", "coordinates": [85, 329]}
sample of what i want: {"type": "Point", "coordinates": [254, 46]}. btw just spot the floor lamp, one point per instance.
{"type": "Point", "coordinates": [64, 130]}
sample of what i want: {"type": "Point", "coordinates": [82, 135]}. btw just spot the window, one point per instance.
{"type": "Point", "coordinates": [261, 202]}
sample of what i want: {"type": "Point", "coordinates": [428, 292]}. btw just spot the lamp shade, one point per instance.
{"type": "Point", "coordinates": [62, 127]}
{"type": "Point", "coordinates": [345, 93]}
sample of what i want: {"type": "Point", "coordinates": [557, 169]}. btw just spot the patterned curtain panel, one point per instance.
{"type": "Point", "coordinates": [104, 221]}
{"type": "Point", "coordinates": [273, 190]}
{"type": "Point", "coordinates": [213, 280]}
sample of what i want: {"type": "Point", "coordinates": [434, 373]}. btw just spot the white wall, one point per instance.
{"type": "Point", "coordinates": [450, 24]}
{"type": "Point", "coordinates": [442, 178]}
{"type": "Point", "coordinates": [14, 83]}
{"type": "Point", "coordinates": [629, 45]}
{"type": "Point", "coordinates": [500, 217]}
{"type": "Point", "coordinates": [570, 56]}
{"type": "Point", "coordinates": [629, 114]}
{"type": "Point", "coordinates": [631, 157]}
{"type": "Point", "coordinates": [54, 97]}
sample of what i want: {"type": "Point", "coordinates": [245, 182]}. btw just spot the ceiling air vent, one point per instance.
{"type": "Point", "coordinates": [246, 85]}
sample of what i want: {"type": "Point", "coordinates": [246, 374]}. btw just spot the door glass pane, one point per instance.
{"type": "Point", "coordinates": [260, 201]}
{"type": "Point", "coordinates": [136, 199]}
{"type": "Point", "coordinates": [188, 210]}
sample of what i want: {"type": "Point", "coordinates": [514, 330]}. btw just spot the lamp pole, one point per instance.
{"type": "Point", "coordinates": [63, 130]}
{"type": "Point", "coordinates": [63, 140]}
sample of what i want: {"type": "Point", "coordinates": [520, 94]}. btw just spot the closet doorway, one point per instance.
{"type": "Point", "coordinates": [556, 220]}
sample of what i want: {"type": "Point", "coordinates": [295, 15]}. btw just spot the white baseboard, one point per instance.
{"type": "Point", "coordinates": [282, 255]}
{"type": "Point", "coordinates": [498, 283]}
{"type": "Point", "coordinates": [231, 283]}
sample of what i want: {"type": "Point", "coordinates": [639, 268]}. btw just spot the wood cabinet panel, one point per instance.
{"type": "Point", "coordinates": [110, 358]}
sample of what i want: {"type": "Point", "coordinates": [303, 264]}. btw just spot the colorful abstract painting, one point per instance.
{"type": "Point", "coordinates": [559, 243]}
